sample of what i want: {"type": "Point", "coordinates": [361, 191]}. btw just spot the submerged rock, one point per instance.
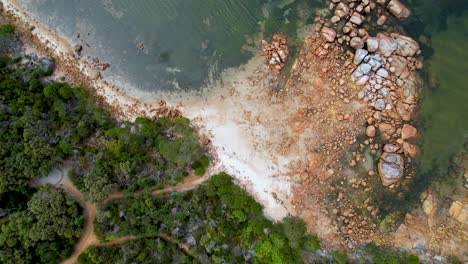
{"type": "Point", "coordinates": [390, 168]}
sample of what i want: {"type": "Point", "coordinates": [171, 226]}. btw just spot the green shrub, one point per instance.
{"type": "Point", "coordinates": [339, 257]}
{"type": "Point", "coordinates": [7, 30]}
{"type": "Point", "coordinates": [312, 243]}
{"type": "Point", "coordinates": [200, 171]}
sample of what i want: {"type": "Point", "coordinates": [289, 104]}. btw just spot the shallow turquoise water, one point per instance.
{"type": "Point", "coordinates": [170, 44]}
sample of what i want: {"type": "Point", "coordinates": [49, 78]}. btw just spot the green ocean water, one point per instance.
{"type": "Point", "coordinates": [441, 27]}
{"type": "Point", "coordinates": [155, 45]}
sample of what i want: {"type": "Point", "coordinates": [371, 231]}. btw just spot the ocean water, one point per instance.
{"type": "Point", "coordinates": [441, 28]}
{"type": "Point", "coordinates": [167, 45]}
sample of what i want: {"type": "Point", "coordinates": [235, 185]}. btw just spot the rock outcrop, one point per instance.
{"type": "Point", "coordinates": [276, 53]}
{"type": "Point", "coordinates": [459, 211]}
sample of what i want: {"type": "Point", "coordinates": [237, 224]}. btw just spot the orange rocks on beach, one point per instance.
{"type": "Point", "coordinates": [276, 53]}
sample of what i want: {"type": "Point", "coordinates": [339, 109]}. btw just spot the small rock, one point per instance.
{"type": "Point", "coordinates": [335, 19]}
{"type": "Point", "coordinates": [387, 45]}
{"type": "Point", "coordinates": [391, 148]}
{"type": "Point", "coordinates": [410, 149]}
{"type": "Point", "coordinates": [381, 20]}
{"type": "Point", "coordinates": [357, 43]}
{"type": "Point", "coordinates": [356, 18]}
{"type": "Point", "coordinates": [382, 73]}
{"type": "Point", "coordinates": [398, 9]}
{"type": "Point", "coordinates": [370, 131]}
{"type": "Point", "coordinates": [379, 104]}
{"type": "Point", "coordinates": [78, 48]}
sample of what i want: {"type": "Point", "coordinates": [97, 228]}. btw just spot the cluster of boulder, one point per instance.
{"type": "Point", "coordinates": [384, 65]}
{"type": "Point", "coordinates": [356, 13]}
{"type": "Point", "coordinates": [276, 53]}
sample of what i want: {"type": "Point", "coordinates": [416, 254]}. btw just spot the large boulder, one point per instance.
{"type": "Point", "coordinates": [408, 131]}
{"type": "Point", "coordinates": [372, 44]}
{"type": "Point", "coordinates": [398, 9]}
{"type": "Point", "coordinates": [360, 55]}
{"type": "Point", "coordinates": [459, 211]}
{"type": "Point", "coordinates": [387, 45]}
{"type": "Point", "coordinates": [390, 168]}
{"type": "Point", "coordinates": [398, 65]}
{"type": "Point", "coordinates": [329, 34]}
{"type": "Point", "coordinates": [407, 47]}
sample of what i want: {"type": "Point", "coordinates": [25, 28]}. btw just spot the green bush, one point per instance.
{"type": "Point", "coordinates": [339, 257]}
{"type": "Point", "coordinates": [200, 171]}
{"type": "Point", "coordinates": [7, 30]}
{"type": "Point", "coordinates": [312, 243]}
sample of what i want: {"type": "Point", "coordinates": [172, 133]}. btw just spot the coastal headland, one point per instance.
{"type": "Point", "coordinates": [319, 137]}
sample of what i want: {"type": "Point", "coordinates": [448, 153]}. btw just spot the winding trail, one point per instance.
{"type": "Point", "coordinates": [189, 183]}
{"type": "Point", "coordinates": [60, 180]}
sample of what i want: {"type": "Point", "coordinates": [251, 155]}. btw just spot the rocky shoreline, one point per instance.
{"type": "Point", "coordinates": [80, 71]}
{"type": "Point", "coordinates": [386, 67]}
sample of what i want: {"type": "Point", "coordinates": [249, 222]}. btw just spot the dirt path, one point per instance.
{"type": "Point", "coordinates": [189, 183]}
{"type": "Point", "coordinates": [60, 180]}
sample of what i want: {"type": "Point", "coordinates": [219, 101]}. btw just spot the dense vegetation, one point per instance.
{"type": "Point", "coordinates": [43, 232]}
{"type": "Point", "coordinates": [41, 126]}
{"type": "Point", "coordinates": [219, 221]}
{"type": "Point", "coordinates": [144, 250]}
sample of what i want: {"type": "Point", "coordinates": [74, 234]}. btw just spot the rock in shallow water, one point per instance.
{"type": "Point", "coordinates": [398, 9]}
{"type": "Point", "coordinates": [407, 47]}
{"type": "Point", "coordinates": [390, 168]}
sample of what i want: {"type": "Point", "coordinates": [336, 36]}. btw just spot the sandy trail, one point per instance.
{"type": "Point", "coordinates": [189, 183]}
{"type": "Point", "coordinates": [59, 178]}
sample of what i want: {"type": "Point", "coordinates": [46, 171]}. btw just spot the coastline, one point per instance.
{"type": "Point", "coordinates": [123, 106]}
{"type": "Point", "coordinates": [79, 71]}
{"type": "Point", "coordinates": [247, 128]}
